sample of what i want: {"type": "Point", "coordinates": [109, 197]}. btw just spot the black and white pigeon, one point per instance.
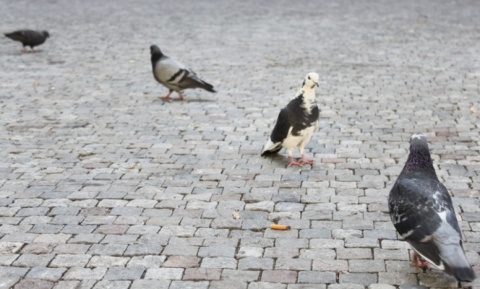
{"type": "Point", "coordinates": [30, 38]}
{"type": "Point", "coordinates": [296, 123]}
{"type": "Point", "coordinates": [421, 210]}
{"type": "Point", "coordinates": [174, 75]}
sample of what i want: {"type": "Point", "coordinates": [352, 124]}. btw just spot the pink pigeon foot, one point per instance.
{"type": "Point", "coordinates": [180, 95]}
{"type": "Point", "coordinates": [293, 162]}
{"type": "Point", "coordinates": [166, 97]}
{"type": "Point", "coordinates": [304, 160]}
{"type": "Point", "coordinates": [418, 262]}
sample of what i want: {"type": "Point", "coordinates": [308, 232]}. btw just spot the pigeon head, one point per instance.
{"type": "Point", "coordinates": [419, 157]}
{"type": "Point", "coordinates": [156, 53]}
{"type": "Point", "coordinates": [155, 50]}
{"type": "Point", "coordinates": [311, 80]}
{"type": "Point", "coordinates": [46, 34]}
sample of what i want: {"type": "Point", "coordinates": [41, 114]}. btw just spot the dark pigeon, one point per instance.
{"type": "Point", "coordinates": [421, 210]}
{"type": "Point", "coordinates": [174, 75]}
{"type": "Point", "coordinates": [296, 123]}
{"type": "Point", "coordinates": [29, 37]}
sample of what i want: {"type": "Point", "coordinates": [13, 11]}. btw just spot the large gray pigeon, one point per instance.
{"type": "Point", "coordinates": [296, 123]}
{"type": "Point", "coordinates": [422, 212]}
{"type": "Point", "coordinates": [174, 75]}
{"type": "Point", "coordinates": [30, 38]}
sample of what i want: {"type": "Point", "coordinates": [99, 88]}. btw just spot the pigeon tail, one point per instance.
{"type": "Point", "coordinates": [270, 148]}
{"type": "Point", "coordinates": [208, 87]}
{"type": "Point", "coordinates": [456, 263]}
{"type": "Point", "coordinates": [270, 152]}
{"type": "Point", "coordinates": [194, 81]}
{"type": "Point", "coordinates": [13, 35]}
{"type": "Point", "coordinates": [463, 274]}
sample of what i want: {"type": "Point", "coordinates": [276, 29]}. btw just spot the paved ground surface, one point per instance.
{"type": "Point", "coordinates": [103, 185]}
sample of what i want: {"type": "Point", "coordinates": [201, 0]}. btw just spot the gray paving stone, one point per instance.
{"type": "Point", "coordinates": [107, 249]}
{"type": "Point", "coordinates": [266, 285]}
{"type": "Point", "coordinates": [7, 259]}
{"type": "Point", "coordinates": [68, 248]}
{"type": "Point", "coordinates": [85, 238]}
{"type": "Point", "coordinates": [67, 285]}
{"type": "Point", "coordinates": [358, 278]}
{"type": "Point", "coordinates": [107, 261]}
{"type": "Point", "coordinates": [182, 261]}
{"type": "Point", "coordinates": [146, 261]}
{"type": "Point", "coordinates": [8, 282]}
{"type": "Point", "coordinates": [124, 273]}
{"type": "Point", "coordinates": [78, 273]}
{"type": "Point", "coordinates": [366, 266]}
{"type": "Point", "coordinates": [150, 284]}
{"type": "Point", "coordinates": [240, 275]}
{"type": "Point", "coordinates": [33, 260]}
{"type": "Point", "coordinates": [69, 260]}
{"type": "Point", "coordinates": [164, 273]}
{"type": "Point", "coordinates": [43, 273]}
{"type": "Point", "coordinates": [182, 250]}
{"type": "Point", "coordinates": [219, 262]}
{"type": "Point", "coordinates": [143, 249]}
{"type": "Point", "coordinates": [315, 277]}
{"type": "Point", "coordinates": [216, 251]}
{"type": "Point", "coordinates": [78, 229]}
{"type": "Point", "coordinates": [306, 286]}
{"type": "Point", "coordinates": [346, 286]}
{"type": "Point", "coordinates": [12, 272]}
{"type": "Point", "coordinates": [10, 247]}
{"type": "Point", "coordinates": [227, 284]}
{"type": "Point", "coordinates": [34, 283]}
{"type": "Point", "coordinates": [381, 286]}
{"type": "Point", "coordinates": [255, 263]}
{"type": "Point", "coordinates": [112, 284]}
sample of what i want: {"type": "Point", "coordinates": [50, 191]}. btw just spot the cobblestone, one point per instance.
{"type": "Point", "coordinates": [104, 185]}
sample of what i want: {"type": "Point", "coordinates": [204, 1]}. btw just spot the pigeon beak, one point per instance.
{"type": "Point", "coordinates": [316, 83]}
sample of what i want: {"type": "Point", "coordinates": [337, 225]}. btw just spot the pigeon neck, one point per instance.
{"type": "Point", "coordinates": [156, 57]}
{"type": "Point", "coordinates": [419, 159]}
{"type": "Point", "coordinates": [307, 97]}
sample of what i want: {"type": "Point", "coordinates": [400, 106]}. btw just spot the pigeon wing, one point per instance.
{"type": "Point", "coordinates": [191, 80]}
{"type": "Point", "coordinates": [279, 133]}
{"type": "Point", "coordinates": [169, 72]}
{"type": "Point", "coordinates": [413, 215]}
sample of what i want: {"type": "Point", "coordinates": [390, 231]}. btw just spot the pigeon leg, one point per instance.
{"type": "Point", "coordinates": [418, 262]}
{"type": "Point", "coordinates": [293, 162]}
{"type": "Point", "coordinates": [180, 95]}
{"type": "Point", "coordinates": [304, 160]}
{"type": "Point", "coordinates": [166, 97]}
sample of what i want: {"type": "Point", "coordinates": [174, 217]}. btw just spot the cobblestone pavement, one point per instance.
{"type": "Point", "coordinates": [104, 185]}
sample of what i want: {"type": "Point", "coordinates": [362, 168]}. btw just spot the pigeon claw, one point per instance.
{"type": "Point", "coordinates": [304, 160]}
{"type": "Point", "coordinates": [419, 262]}
{"type": "Point", "coordinates": [166, 97]}
{"type": "Point", "coordinates": [293, 162]}
{"type": "Point", "coordinates": [180, 95]}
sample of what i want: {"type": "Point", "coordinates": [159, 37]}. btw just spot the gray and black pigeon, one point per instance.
{"type": "Point", "coordinates": [30, 38]}
{"type": "Point", "coordinates": [296, 123]}
{"type": "Point", "coordinates": [422, 212]}
{"type": "Point", "coordinates": [174, 75]}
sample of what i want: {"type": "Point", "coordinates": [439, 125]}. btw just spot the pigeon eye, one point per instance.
{"type": "Point", "coordinates": [309, 77]}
